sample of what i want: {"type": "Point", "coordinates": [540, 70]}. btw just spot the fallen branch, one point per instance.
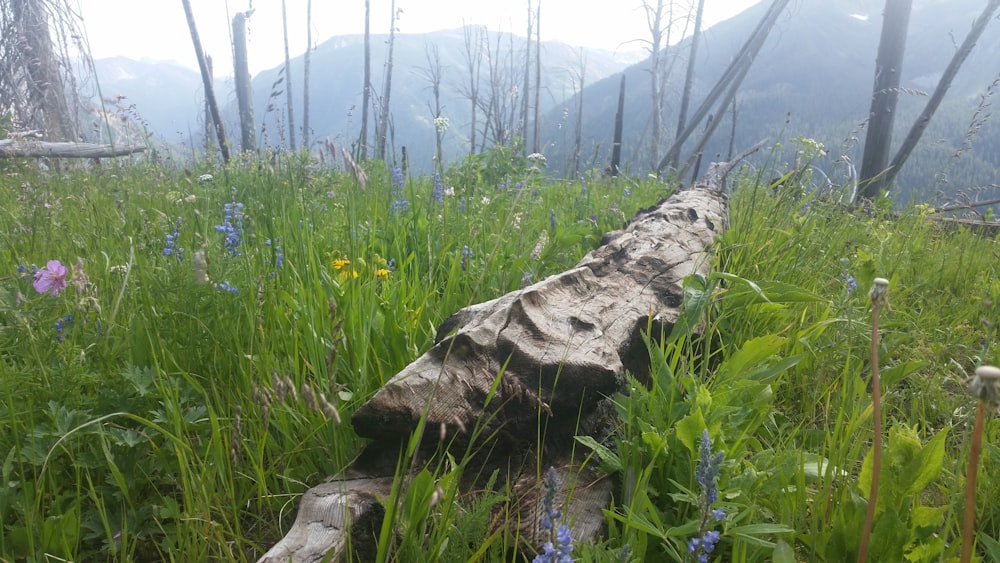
{"type": "Point", "coordinates": [14, 148]}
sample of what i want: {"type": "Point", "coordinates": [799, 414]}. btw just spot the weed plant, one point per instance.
{"type": "Point", "coordinates": [194, 376]}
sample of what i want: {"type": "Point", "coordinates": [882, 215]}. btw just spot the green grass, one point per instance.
{"type": "Point", "coordinates": [160, 422]}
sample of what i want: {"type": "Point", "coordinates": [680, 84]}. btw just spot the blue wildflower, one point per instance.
{"type": "Point", "coordinates": [170, 248]}
{"type": "Point", "coordinates": [706, 474]}
{"type": "Point", "coordinates": [60, 325]}
{"type": "Point", "coordinates": [224, 286]}
{"type": "Point", "coordinates": [232, 225]}
{"type": "Point", "coordinates": [21, 269]}
{"type": "Point", "coordinates": [628, 192]}
{"type": "Point", "coordinates": [560, 546]}
{"type": "Point", "coordinates": [466, 254]}
{"type": "Point", "coordinates": [438, 193]}
{"type": "Point", "coordinates": [399, 203]}
{"type": "Point", "coordinates": [279, 256]}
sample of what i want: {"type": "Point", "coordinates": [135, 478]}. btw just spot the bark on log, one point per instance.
{"type": "Point", "coordinates": [11, 148]}
{"type": "Point", "coordinates": [544, 358]}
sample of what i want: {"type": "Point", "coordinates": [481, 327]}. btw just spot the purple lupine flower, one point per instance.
{"type": "Point", "coordinates": [438, 193]}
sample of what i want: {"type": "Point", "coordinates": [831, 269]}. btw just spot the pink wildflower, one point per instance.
{"type": "Point", "coordinates": [51, 279]}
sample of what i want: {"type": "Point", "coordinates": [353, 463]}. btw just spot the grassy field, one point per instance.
{"type": "Point", "coordinates": [158, 406]}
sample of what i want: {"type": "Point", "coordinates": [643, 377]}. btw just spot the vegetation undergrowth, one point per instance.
{"type": "Point", "coordinates": [173, 391]}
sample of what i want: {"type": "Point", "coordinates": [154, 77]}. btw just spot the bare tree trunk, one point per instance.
{"type": "Point", "coordinates": [578, 135]}
{"type": "Point", "coordinates": [48, 107]}
{"type": "Point", "coordinates": [433, 75]}
{"type": "Point", "coordinates": [244, 90]}
{"type": "Point", "coordinates": [474, 39]}
{"type": "Point", "coordinates": [366, 97]}
{"type": "Point", "coordinates": [731, 78]}
{"type": "Point", "coordinates": [17, 148]}
{"type": "Point", "coordinates": [654, 20]}
{"type": "Point", "coordinates": [288, 80]}
{"type": "Point", "coordinates": [206, 78]}
{"type": "Point", "coordinates": [616, 147]}
{"type": "Point", "coordinates": [689, 78]}
{"type": "Point", "coordinates": [535, 147]}
{"type": "Point", "coordinates": [305, 77]}
{"type": "Point", "coordinates": [527, 81]}
{"type": "Point", "coordinates": [209, 119]}
{"type": "Point", "coordinates": [732, 132]}
{"type": "Point", "coordinates": [917, 130]}
{"type": "Point", "coordinates": [382, 127]}
{"type": "Point", "coordinates": [712, 125]}
{"type": "Point", "coordinates": [888, 68]}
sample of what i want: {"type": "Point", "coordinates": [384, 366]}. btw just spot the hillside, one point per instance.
{"type": "Point", "coordinates": [813, 78]}
{"type": "Point", "coordinates": [337, 77]}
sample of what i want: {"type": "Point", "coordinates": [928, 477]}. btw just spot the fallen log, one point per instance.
{"type": "Point", "coordinates": [17, 148]}
{"type": "Point", "coordinates": [538, 363]}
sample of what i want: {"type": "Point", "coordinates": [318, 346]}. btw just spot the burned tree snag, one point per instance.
{"type": "Point", "coordinates": [547, 356]}
{"type": "Point", "coordinates": [616, 146]}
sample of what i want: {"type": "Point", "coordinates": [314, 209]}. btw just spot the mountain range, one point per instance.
{"type": "Point", "coordinates": [813, 79]}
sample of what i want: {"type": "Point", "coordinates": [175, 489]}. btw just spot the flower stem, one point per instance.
{"type": "Point", "coordinates": [876, 440]}
{"type": "Point", "coordinates": [969, 518]}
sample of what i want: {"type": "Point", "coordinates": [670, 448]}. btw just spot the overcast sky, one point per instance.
{"type": "Point", "coordinates": [157, 29]}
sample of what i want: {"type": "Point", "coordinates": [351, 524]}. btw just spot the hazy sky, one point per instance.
{"type": "Point", "coordinates": [157, 29]}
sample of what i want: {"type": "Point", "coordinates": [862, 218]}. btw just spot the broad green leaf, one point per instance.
{"type": "Point", "coordinates": [926, 465]}
{"type": "Point", "coordinates": [689, 431]}
{"type": "Point", "coordinates": [753, 352]}
{"type": "Point", "coordinates": [783, 553]}
{"type": "Point", "coordinates": [609, 459]}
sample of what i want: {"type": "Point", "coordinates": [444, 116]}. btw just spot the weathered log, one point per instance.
{"type": "Point", "coordinates": [545, 357]}
{"type": "Point", "coordinates": [11, 148]}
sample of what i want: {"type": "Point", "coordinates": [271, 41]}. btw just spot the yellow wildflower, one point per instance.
{"type": "Point", "coordinates": [339, 263]}
{"type": "Point", "coordinates": [382, 273]}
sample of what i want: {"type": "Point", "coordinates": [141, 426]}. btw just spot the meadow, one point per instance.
{"type": "Point", "coordinates": [172, 393]}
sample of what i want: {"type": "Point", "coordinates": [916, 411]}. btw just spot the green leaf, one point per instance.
{"type": "Point", "coordinates": [783, 553]}
{"type": "Point", "coordinates": [751, 533]}
{"type": "Point", "coordinates": [609, 459]}
{"type": "Point", "coordinates": [892, 375]}
{"type": "Point", "coordinates": [689, 431]}
{"type": "Point", "coordinates": [752, 353]}
{"type": "Point", "coordinates": [925, 467]}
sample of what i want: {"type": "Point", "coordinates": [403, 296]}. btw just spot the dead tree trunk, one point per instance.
{"type": "Point", "coordinates": [527, 83]}
{"type": "Point", "coordinates": [288, 80]}
{"type": "Point", "coordinates": [11, 148]}
{"type": "Point", "coordinates": [366, 97]}
{"type": "Point", "coordinates": [578, 133]}
{"type": "Point", "coordinates": [44, 89]}
{"type": "Point", "coordinates": [546, 356]}
{"type": "Point", "coordinates": [206, 78]}
{"type": "Point", "coordinates": [616, 146]}
{"type": "Point", "coordinates": [942, 88]}
{"type": "Point", "coordinates": [888, 68]}
{"type": "Point", "coordinates": [305, 77]}
{"type": "Point", "coordinates": [731, 79]}
{"type": "Point", "coordinates": [382, 127]}
{"type": "Point", "coordinates": [535, 146]}
{"type": "Point", "coordinates": [244, 91]}
{"type": "Point", "coordinates": [689, 78]}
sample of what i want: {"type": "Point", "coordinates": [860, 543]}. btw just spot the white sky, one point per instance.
{"type": "Point", "coordinates": [157, 29]}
